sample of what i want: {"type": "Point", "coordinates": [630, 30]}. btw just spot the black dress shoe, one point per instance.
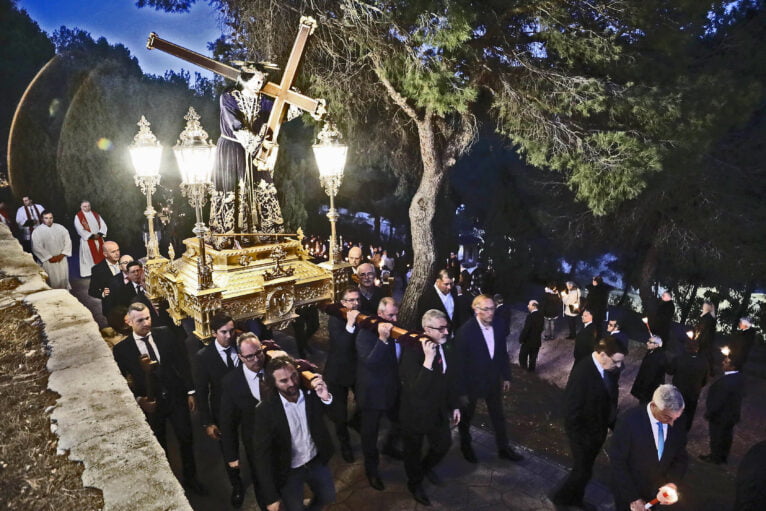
{"type": "Point", "coordinates": [393, 452]}
{"type": "Point", "coordinates": [509, 454]}
{"type": "Point", "coordinates": [194, 486]}
{"type": "Point", "coordinates": [237, 496]}
{"type": "Point", "coordinates": [468, 453]}
{"type": "Point", "coordinates": [376, 482]}
{"type": "Point", "coordinates": [434, 478]}
{"type": "Point", "coordinates": [346, 453]}
{"type": "Point", "coordinates": [419, 494]}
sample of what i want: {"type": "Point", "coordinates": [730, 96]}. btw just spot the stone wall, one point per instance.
{"type": "Point", "coordinates": [96, 417]}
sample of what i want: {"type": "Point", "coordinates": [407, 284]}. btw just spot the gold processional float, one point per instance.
{"type": "Point", "coordinates": [265, 275]}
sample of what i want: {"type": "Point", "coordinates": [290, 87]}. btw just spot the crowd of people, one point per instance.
{"type": "Point", "coordinates": [416, 386]}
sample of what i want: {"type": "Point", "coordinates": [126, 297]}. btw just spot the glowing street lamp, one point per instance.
{"type": "Point", "coordinates": [146, 155]}
{"type": "Point", "coordinates": [330, 156]}
{"type": "Point", "coordinates": [195, 155]}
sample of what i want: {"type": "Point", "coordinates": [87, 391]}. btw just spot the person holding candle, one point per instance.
{"type": "Point", "coordinates": [723, 406]}
{"type": "Point", "coordinates": [648, 449]}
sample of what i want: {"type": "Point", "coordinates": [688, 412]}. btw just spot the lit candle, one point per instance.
{"type": "Point", "coordinates": [690, 334]}
{"type": "Point", "coordinates": [725, 351]}
{"type": "Point", "coordinates": [645, 320]}
{"type": "Point", "coordinates": [667, 495]}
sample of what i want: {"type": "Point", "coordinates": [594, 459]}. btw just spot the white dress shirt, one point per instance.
{"type": "Point", "coordinates": [222, 354]}
{"type": "Point", "coordinates": [653, 421]}
{"type": "Point", "coordinates": [489, 337]}
{"type": "Point", "coordinates": [447, 300]}
{"type": "Point", "coordinates": [253, 382]}
{"type": "Point", "coordinates": [303, 447]}
{"type": "Point", "coordinates": [142, 349]}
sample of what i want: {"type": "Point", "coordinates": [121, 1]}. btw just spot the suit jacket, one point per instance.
{"type": "Point", "coordinates": [532, 330]}
{"type": "Point", "coordinates": [370, 306]}
{"type": "Point", "coordinates": [100, 278]}
{"type": "Point", "coordinates": [706, 332]}
{"type": "Point", "coordinates": [650, 375]}
{"type": "Point", "coordinates": [585, 342]}
{"type": "Point", "coordinates": [237, 410]}
{"type": "Point", "coordinates": [208, 377]}
{"type": "Point", "coordinates": [428, 397]}
{"type": "Point", "coordinates": [340, 368]}
{"type": "Point", "coordinates": [377, 372]}
{"type": "Point", "coordinates": [503, 318]}
{"type": "Point", "coordinates": [272, 441]}
{"type": "Point", "coordinates": [636, 471]}
{"type": "Point", "coordinates": [588, 406]}
{"type": "Point", "coordinates": [724, 399]}
{"type": "Point", "coordinates": [121, 294]}
{"type": "Point", "coordinates": [478, 371]}
{"type": "Point", "coordinates": [623, 339]}
{"type": "Point", "coordinates": [689, 374]}
{"type": "Point", "coordinates": [751, 479]}
{"type": "Point", "coordinates": [742, 342]}
{"type": "Point", "coordinates": [430, 300]}
{"type": "Point", "coordinates": [173, 378]}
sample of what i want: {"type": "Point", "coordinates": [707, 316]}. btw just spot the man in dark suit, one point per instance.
{"type": "Point", "coordinates": [613, 329]}
{"type": "Point", "coordinates": [648, 449]}
{"type": "Point", "coordinates": [242, 390]}
{"type": "Point", "coordinates": [101, 274]}
{"type": "Point", "coordinates": [167, 391]}
{"type": "Point", "coordinates": [589, 413]}
{"type": "Point", "coordinates": [724, 403]}
{"type": "Point", "coordinates": [663, 321]}
{"type": "Point", "coordinates": [340, 368]}
{"type": "Point", "coordinates": [689, 371]}
{"type": "Point", "coordinates": [529, 338]}
{"type": "Point", "coordinates": [213, 362]}
{"type": "Point", "coordinates": [377, 387]}
{"type": "Point", "coordinates": [484, 373]}
{"type": "Point", "coordinates": [369, 293]}
{"type": "Point", "coordinates": [292, 443]}
{"type": "Point", "coordinates": [742, 341]}
{"type": "Point", "coordinates": [442, 296]}
{"type": "Point", "coordinates": [123, 294]}
{"type": "Point", "coordinates": [651, 374]}
{"type": "Point", "coordinates": [598, 302]}
{"type": "Point", "coordinates": [751, 479]}
{"type": "Point", "coordinates": [428, 403]}
{"type": "Point", "coordinates": [502, 315]}
{"type": "Point", "coordinates": [586, 338]}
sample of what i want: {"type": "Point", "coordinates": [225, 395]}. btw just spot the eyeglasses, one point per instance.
{"type": "Point", "coordinates": [350, 300]}
{"type": "Point", "coordinates": [443, 328]}
{"type": "Point", "coordinates": [486, 309]}
{"type": "Point", "coordinates": [252, 355]}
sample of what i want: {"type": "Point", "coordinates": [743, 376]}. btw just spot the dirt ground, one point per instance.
{"type": "Point", "coordinates": [32, 475]}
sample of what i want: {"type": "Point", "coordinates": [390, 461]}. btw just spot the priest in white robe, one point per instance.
{"type": "Point", "coordinates": [91, 228]}
{"type": "Point", "coordinates": [28, 217]}
{"type": "Point", "coordinates": [52, 246]}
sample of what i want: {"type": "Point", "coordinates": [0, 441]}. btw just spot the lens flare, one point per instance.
{"type": "Point", "coordinates": [104, 144]}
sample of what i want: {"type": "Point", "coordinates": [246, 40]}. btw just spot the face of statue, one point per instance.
{"type": "Point", "coordinates": [255, 83]}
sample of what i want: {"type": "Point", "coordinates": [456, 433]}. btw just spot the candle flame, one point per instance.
{"type": "Point", "coordinates": [669, 494]}
{"type": "Point", "coordinates": [645, 320]}
{"type": "Point", "coordinates": [690, 334]}
{"type": "Point", "coordinates": [725, 351]}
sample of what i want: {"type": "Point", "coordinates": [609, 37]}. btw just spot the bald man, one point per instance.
{"type": "Point", "coordinates": [104, 271]}
{"type": "Point", "coordinates": [355, 257]}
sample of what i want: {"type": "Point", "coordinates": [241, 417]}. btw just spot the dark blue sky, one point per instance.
{"type": "Point", "coordinates": [120, 21]}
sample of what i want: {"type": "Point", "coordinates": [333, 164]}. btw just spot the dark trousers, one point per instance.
{"type": "Point", "coordinates": [689, 410]}
{"type": "Point", "coordinates": [341, 428]}
{"type": "Point", "coordinates": [494, 400]}
{"type": "Point", "coordinates": [584, 453]}
{"type": "Point", "coordinates": [572, 323]}
{"type": "Point", "coordinates": [415, 465]}
{"type": "Point", "coordinates": [721, 435]}
{"type": "Point", "coordinates": [304, 327]}
{"type": "Point", "coordinates": [528, 356]}
{"type": "Point", "coordinates": [231, 473]}
{"type": "Point", "coordinates": [318, 477]}
{"type": "Point", "coordinates": [370, 428]}
{"type": "Point", "coordinates": [178, 415]}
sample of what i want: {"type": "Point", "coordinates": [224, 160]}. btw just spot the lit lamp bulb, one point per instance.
{"type": "Point", "coordinates": [666, 495]}
{"type": "Point", "coordinates": [725, 351]}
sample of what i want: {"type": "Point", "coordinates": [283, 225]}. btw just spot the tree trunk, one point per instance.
{"type": "Point", "coordinates": [687, 307]}
{"type": "Point", "coordinates": [422, 211]}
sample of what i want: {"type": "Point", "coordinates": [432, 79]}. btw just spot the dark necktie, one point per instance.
{"type": "Point", "coordinates": [139, 290]}
{"type": "Point", "coordinates": [438, 362]}
{"type": "Point", "coordinates": [149, 348]}
{"type": "Point", "coordinates": [229, 361]}
{"type": "Point", "coordinates": [261, 383]}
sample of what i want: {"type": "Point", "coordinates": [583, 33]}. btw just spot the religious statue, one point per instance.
{"type": "Point", "coordinates": [245, 199]}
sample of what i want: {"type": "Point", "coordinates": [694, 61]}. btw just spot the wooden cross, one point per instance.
{"type": "Point", "coordinates": [283, 94]}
